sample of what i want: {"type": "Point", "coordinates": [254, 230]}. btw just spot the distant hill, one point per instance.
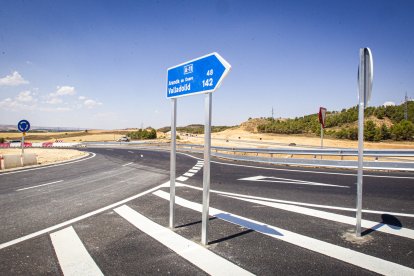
{"type": "Point", "coordinates": [13, 128]}
{"type": "Point", "coordinates": [381, 123]}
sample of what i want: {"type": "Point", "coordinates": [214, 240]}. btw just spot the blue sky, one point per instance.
{"type": "Point", "coordinates": [102, 64]}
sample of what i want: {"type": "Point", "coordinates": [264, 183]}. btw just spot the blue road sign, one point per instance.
{"type": "Point", "coordinates": [200, 75]}
{"type": "Point", "coordinates": [23, 125]}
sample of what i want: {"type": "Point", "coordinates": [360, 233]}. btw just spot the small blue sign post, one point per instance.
{"type": "Point", "coordinates": [23, 126]}
{"type": "Point", "coordinates": [200, 75]}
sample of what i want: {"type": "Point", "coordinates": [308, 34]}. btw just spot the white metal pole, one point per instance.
{"type": "Point", "coordinates": [206, 169]}
{"type": "Point", "coordinates": [321, 137]}
{"type": "Point", "coordinates": [360, 167]}
{"type": "Point", "coordinates": [22, 143]}
{"type": "Point", "coordinates": [173, 161]}
{"type": "Point", "coordinates": [363, 81]}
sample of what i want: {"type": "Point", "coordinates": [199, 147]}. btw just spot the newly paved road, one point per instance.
{"type": "Point", "coordinates": [104, 214]}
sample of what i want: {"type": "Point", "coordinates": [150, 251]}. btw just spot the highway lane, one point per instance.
{"type": "Point", "coordinates": [115, 174]}
{"type": "Point", "coordinates": [76, 188]}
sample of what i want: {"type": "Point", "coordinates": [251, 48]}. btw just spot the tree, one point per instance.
{"type": "Point", "coordinates": [403, 130]}
{"type": "Point", "coordinates": [369, 130]}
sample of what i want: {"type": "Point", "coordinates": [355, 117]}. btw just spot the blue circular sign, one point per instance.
{"type": "Point", "coordinates": [23, 125]}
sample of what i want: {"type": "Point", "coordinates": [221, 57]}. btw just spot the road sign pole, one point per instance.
{"type": "Point", "coordinates": [22, 143]}
{"type": "Point", "coordinates": [365, 85]}
{"type": "Point", "coordinates": [173, 160]}
{"type": "Point", "coordinates": [321, 137]}
{"type": "Point", "coordinates": [206, 169]}
{"type": "Point", "coordinates": [360, 167]}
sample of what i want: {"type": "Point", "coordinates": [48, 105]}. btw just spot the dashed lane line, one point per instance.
{"type": "Point", "coordinates": [182, 178]}
{"type": "Point", "coordinates": [73, 257]}
{"type": "Point", "coordinates": [343, 254]}
{"type": "Point", "coordinates": [41, 185]}
{"type": "Point", "coordinates": [127, 164]}
{"type": "Point", "coordinates": [191, 251]}
{"type": "Point", "coordinates": [189, 174]}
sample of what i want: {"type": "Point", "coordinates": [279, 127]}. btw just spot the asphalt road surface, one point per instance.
{"type": "Point", "coordinates": [108, 214]}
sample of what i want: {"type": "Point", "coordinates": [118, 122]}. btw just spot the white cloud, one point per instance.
{"type": "Point", "coordinates": [14, 79]}
{"type": "Point", "coordinates": [25, 96]}
{"type": "Point", "coordinates": [55, 98]}
{"type": "Point", "coordinates": [81, 98]}
{"type": "Point", "coordinates": [91, 103]}
{"type": "Point", "coordinates": [65, 90]}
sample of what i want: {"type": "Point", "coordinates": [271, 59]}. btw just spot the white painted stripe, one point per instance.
{"type": "Point", "coordinates": [344, 254]}
{"type": "Point", "coordinates": [381, 227]}
{"type": "Point", "coordinates": [197, 168]}
{"type": "Point", "coordinates": [73, 257]}
{"type": "Point", "coordinates": [306, 171]}
{"type": "Point", "coordinates": [39, 185]}
{"type": "Point", "coordinates": [188, 174]}
{"type": "Point", "coordinates": [182, 178]}
{"type": "Point", "coordinates": [288, 181]}
{"type": "Point", "coordinates": [193, 171]}
{"type": "Point", "coordinates": [302, 203]}
{"type": "Point", "coordinates": [130, 151]}
{"type": "Point", "coordinates": [127, 164]}
{"type": "Point", "coordinates": [80, 159]}
{"type": "Point", "coordinates": [191, 251]}
{"type": "Point", "coordinates": [68, 222]}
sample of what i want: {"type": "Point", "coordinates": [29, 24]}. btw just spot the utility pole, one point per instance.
{"type": "Point", "coordinates": [272, 114]}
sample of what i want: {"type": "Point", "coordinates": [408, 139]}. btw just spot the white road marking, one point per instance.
{"type": "Point", "coordinates": [87, 215]}
{"type": "Point", "coordinates": [193, 171]}
{"type": "Point", "coordinates": [51, 166]}
{"type": "Point", "coordinates": [381, 227]}
{"type": "Point", "coordinates": [288, 181]}
{"type": "Point", "coordinates": [39, 185]}
{"type": "Point", "coordinates": [306, 171]}
{"type": "Point", "coordinates": [127, 164]}
{"type": "Point", "coordinates": [188, 174]}
{"type": "Point", "coordinates": [130, 151]}
{"type": "Point", "coordinates": [343, 254]}
{"type": "Point", "coordinates": [182, 178]}
{"type": "Point", "coordinates": [197, 167]}
{"type": "Point", "coordinates": [73, 257]}
{"type": "Point", "coordinates": [191, 251]}
{"type": "Point", "coordinates": [301, 203]}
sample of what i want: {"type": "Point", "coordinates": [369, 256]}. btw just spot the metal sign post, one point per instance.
{"type": "Point", "coordinates": [200, 75]}
{"type": "Point", "coordinates": [206, 169]}
{"type": "Point", "coordinates": [23, 126]}
{"type": "Point", "coordinates": [173, 161]}
{"type": "Point", "coordinates": [365, 76]}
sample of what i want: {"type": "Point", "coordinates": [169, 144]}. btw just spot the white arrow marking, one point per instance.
{"type": "Point", "coordinates": [381, 227]}
{"type": "Point", "coordinates": [261, 178]}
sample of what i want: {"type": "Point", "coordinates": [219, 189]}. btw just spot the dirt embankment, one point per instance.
{"type": "Point", "coordinates": [48, 156]}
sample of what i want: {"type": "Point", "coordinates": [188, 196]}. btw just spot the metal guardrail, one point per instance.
{"type": "Point", "coordinates": [318, 152]}
{"type": "Point", "coordinates": [223, 152]}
